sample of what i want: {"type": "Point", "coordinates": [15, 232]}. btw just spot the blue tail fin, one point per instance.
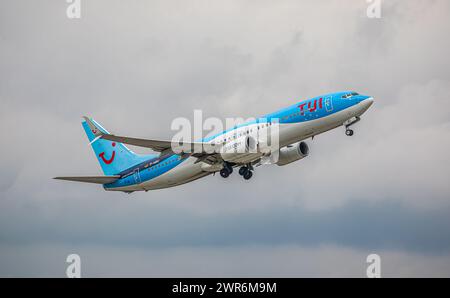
{"type": "Point", "coordinates": [113, 157]}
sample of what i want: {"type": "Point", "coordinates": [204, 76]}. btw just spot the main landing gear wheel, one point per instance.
{"type": "Point", "coordinates": [243, 170]}
{"type": "Point", "coordinates": [349, 132]}
{"type": "Point", "coordinates": [246, 172]}
{"type": "Point", "coordinates": [225, 173]}
{"type": "Point", "coordinates": [248, 175]}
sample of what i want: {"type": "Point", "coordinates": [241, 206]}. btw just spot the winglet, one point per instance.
{"type": "Point", "coordinates": [94, 128]}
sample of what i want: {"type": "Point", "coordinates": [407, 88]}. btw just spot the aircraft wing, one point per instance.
{"type": "Point", "coordinates": [156, 145]}
{"type": "Point", "coordinates": [91, 179]}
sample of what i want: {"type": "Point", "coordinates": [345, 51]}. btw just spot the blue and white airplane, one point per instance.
{"type": "Point", "coordinates": [128, 172]}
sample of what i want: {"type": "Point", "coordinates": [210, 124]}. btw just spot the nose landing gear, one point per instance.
{"type": "Point", "coordinates": [348, 123]}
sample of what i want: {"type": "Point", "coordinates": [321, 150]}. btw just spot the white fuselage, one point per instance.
{"type": "Point", "coordinates": [190, 169]}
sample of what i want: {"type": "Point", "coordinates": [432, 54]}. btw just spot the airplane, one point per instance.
{"type": "Point", "coordinates": [171, 165]}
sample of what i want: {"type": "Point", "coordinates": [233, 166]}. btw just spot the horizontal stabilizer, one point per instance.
{"type": "Point", "coordinates": [91, 179]}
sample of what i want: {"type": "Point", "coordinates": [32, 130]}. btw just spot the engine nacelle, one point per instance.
{"type": "Point", "coordinates": [288, 155]}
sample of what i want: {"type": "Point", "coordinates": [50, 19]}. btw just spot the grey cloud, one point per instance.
{"type": "Point", "coordinates": [378, 226]}
{"type": "Point", "coordinates": [235, 261]}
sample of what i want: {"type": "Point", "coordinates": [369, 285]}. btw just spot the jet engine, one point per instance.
{"type": "Point", "coordinates": [292, 153]}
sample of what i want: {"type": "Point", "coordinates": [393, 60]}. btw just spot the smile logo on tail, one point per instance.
{"type": "Point", "coordinates": [108, 161]}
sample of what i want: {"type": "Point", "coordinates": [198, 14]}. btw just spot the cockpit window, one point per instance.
{"type": "Point", "coordinates": [349, 95]}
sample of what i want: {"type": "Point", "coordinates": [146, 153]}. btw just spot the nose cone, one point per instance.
{"type": "Point", "coordinates": [366, 102]}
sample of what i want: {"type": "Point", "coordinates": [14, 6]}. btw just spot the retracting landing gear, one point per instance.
{"type": "Point", "coordinates": [248, 175]}
{"type": "Point", "coordinates": [243, 170]}
{"type": "Point", "coordinates": [226, 171]}
{"type": "Point", "coordinates": [348, 123]}
{"type": "Point", "coordinates": [246, 172]}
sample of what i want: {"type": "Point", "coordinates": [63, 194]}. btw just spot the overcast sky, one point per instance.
{"type": "Point", "coordinates": [134, 67]}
